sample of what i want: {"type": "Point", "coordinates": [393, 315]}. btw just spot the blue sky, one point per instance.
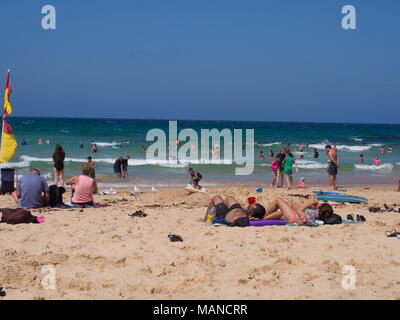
{"type": "Point", "coordinates": [211, 59]}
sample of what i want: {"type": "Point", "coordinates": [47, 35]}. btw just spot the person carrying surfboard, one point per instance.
{"type": "Point", "coordinates": [195, 177]}
{"type": "Point", "coordinates": [333, 165]}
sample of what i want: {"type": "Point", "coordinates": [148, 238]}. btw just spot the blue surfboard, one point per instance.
{"type": "Point", "coordinates": [341, 198]}
{"type": "Point", "coordinates": [327, 192]}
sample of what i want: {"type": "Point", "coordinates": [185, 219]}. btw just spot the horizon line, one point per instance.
{"type": "Point", "coordinates": [216, 120]}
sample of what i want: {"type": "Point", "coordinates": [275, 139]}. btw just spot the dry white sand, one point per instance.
{"type": "Point", "coordinates": [106, 254]}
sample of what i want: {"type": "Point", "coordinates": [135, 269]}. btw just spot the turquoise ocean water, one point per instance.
{"type": "Point", "coordinates": [352, 140]}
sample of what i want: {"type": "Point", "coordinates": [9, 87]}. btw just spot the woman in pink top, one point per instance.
{"type": "Point", "coordinates": [377, 161]}
{"type": "Point", "coordinates": [83, 187]}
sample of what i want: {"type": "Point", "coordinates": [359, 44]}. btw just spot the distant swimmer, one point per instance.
{"type": "Point", "coordinates": [127, 141]}
{"type": "Point", "coordinates": [94, 148]}
{"type": "Point", "coordinates": [40, 141]}
{"type": "Point", "coordinates": [377, 161]}
{"type": "Point", "coordinates": [300, 147]}
{"type": "Point", "coordinates": [271, 155]}
{"type": "Point", "coordinates": [361, 158]}
{"type": "Point", "coordinates": [389, 149]}
{"type": "Point", "coordinates": [48, 141]}
{"type": "Point", "coordinates": [144, 148]}
{"type": "Point", "coordinates": [23, 142]}
{"type": "Point", "coordinates": [80, 145]}
{"type": "Point", "coordinates": [316, 154]}
{"type": "Point", "coordinates": [382, 150]}
{"type": "Point", "coordinates": [262, 157]}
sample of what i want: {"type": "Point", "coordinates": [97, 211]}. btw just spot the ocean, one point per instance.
{"type": "Point", "coordinates": [352, 140]}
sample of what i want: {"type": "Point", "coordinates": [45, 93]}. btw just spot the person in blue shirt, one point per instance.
{"type": "Point", "coordinates": [32, 191]}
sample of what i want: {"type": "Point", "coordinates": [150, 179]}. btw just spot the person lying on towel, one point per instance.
{"type": "Point", "coordinates": [231, 213]}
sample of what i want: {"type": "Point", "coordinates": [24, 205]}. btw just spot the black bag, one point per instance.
{"type": "Point", "coordinates": [16, 216]}
{"type": "Point", "coordinates": [55, 195]}
{"type": "Point", "coordinates": [333, 219]}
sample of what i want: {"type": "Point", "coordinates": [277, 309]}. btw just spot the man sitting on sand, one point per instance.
{"type": "Point", "coordinates": [231, 213]}
{"type": "Point", "coordinates": [83, 187]}
{"type": "Point", "coordinates": [32, 191]}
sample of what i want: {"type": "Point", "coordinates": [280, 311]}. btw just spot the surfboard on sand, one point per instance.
{"type": "Point", "coordinates": [194, 190]}
{"type": "Point", "coordinates": [341, 198]}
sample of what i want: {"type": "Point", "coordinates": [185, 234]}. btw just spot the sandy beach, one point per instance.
{"type": "Point", "coordinates": [107, 254]}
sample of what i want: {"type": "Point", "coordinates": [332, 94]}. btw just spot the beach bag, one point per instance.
{"type": "Point", "coordinates": [333, 219]}
{"type": "Point", "coordinates": [55, 195]}
{"type": "Point", "coordinates": [16, 216]}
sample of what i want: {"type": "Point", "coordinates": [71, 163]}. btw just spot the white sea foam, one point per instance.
{"type": "Point", "coordinates": [344, 147]}
{"type": "Point", "coordinates": [268, 144]}
{"type": "Point", "coordinates": [106, 144]}
{"type": "Point", "coordinates": [133, 162]}
{"type": "Point", "coordinates": [20, 164]}
{"type": "Point", "coordinates": [373, 167]}
{"type": "Point", "coordinates": [308, 164]}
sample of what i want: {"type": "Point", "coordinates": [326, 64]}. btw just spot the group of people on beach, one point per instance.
{"type": "Point", "coordinates": [282, 165]}
{"type": "Point", "coordinates": [33, 191]}
{"type": "Point", "coordinates": [121, 167]}
{"type": "Point", "coordinates": [229, 212]}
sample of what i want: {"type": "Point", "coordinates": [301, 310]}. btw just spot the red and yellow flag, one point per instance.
{"type": "Point", "coordinates": [8, 143]}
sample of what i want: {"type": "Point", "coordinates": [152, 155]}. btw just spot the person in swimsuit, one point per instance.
{"type": "Point", "coordinates": [125, 167]}
{"type": "Point", "coordinates": [58, 159]}
{"type": "Point", "coordinates": [92, 166]}
{"type": "Point", "coordinates": [282, 156]}
{"type": "Point", "coordinates": [83, 187]}
{"type": "Point", "coordinates": [296, 213]}
{"type": "Point", "coordinates": [231, 213]}
{"type": "Point", "coordinates": [333, 165]}
{"type": "Point", "coordinates": [94, 148]}
{"type": "Point", "coordinates": [195, 177]}
{"type": "Point", "coordinates": [377, 161]}
{"type": "Point", "coordinates": [288, 169]}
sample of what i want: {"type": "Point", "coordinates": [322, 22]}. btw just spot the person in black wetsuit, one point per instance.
{"type": "Point", "coordinates": [117, 167]}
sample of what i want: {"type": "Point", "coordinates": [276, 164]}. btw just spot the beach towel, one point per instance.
{"type": "Point", "coordinates": [19, 215]}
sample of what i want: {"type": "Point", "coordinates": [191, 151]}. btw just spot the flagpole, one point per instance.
{"type": "Point", "coordinates": [2, 128]}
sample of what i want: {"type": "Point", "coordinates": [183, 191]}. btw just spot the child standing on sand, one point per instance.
{"type": "Point", "coordinates": [275, 167]}
{"type": "Point", "coordinates": [289, 162]}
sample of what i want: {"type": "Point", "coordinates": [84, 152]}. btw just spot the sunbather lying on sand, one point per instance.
{"type": "Point", "coordinates": [295, 213]}
{"type": "Point", "coordinates": [231, 213]}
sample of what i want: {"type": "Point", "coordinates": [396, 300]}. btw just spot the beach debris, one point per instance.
{"type": "Point", "coordinates": [154, 189]}
{"type": "Point", "coordinates": [138, 213]}
{"type": "Point", "coordinates": [393, 233]}
{"type": "Point", "coordinates": [108, 192]}
{"type": "Point", "coordinates": [361, 218]}
{"type": "Point", "coordinates": [374, 209]}
{"type": "Point", "coordinates": [124, 200]}
{"type": "Point", "coordinates": [175, 238]}
{"type": "Point", "coordinates": [2, 292]}
{"type": "Point", "coordinates": [305, 196]}
{"type": "Point", "coordinates": [259, 190]}
{"type": "Point", "coordinates": [350, 217]}
{"type": "Point", "coordinates": [136, 190]}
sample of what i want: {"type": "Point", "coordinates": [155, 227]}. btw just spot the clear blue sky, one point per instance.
{"type": "Point", "coordinates": [210, 59]}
